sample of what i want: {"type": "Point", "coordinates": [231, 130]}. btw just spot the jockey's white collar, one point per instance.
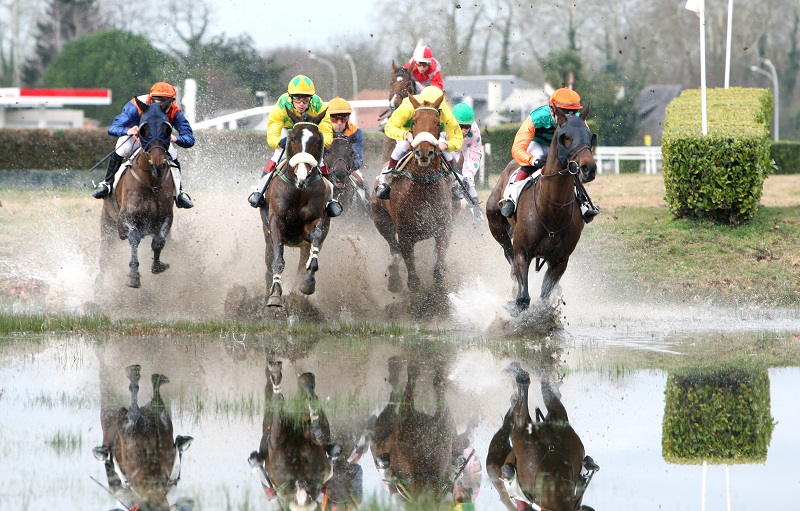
{"type": "Point", "coordinates": [425, 136]}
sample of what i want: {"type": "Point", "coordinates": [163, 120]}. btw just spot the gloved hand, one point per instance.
{"type": "Point", "coordinates": [282, 143]}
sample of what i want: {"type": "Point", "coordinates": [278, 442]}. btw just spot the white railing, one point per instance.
{"type": "Point", "coordinates": [231, 119]}
{"type": "Point", "coordinates": [650, 155]}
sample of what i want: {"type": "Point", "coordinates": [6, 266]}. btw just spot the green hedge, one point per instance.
{"type": "Point", "coordinates": [72, 149]}
{"type": "Point", "coordinates": [719, 176]}
{"type": "Point", "coordinates": [720, 416]}
{"type": "Point", "coordinates": [787, 157]}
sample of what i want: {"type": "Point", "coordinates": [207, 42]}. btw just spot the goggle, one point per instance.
{"type": "Point", "coordinates": [340, 117]}
{"type": "Point", "coordinates": [424, 64]}
{"type": "Point", "coordinates": [465, 126]}
{"type": "Point", "coordinates": [160, 99]}
{"type": "Point", "coordinates": [303, 98]}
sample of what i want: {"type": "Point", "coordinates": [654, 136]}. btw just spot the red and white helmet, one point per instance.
{"type": "Point", "coordinates": [423, 54]}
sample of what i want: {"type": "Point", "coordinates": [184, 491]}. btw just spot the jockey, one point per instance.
{"type": "Point", "coordinates": [126, 127]}
{"type": "Point", "coordinates": [301, 98]}
{"type": "Point", "coordinates": [471, 153]}
{"type": "Point", "coordinates": [339, 110]}
{"type": "Point", "coordinates": [398, 127]}
{"type": "Point", "coordinates": [425, 69]}
{"type": "Point", "coordinates": [532, 145]}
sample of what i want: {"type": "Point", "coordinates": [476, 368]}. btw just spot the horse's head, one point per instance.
{"type": "Point", "coordinates": [575, 144]}
{"type": "Point", "coordinates": [425, 129]}
{"type": "Point", "coordinates": [339, 157]}
{"type": "Point", "coordinates": [154, 133]}
{"type": "Point", "coordinates": [401, 86]}
{"type": "Point", "coordinates": [304, 146]}
{"type": "Point", "coordinates": [301, 496]}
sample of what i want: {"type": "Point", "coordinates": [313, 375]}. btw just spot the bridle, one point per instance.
{"type": "Point", "coordinates": [342, 159]}
{"type": "Point", "coordinates": [409, 88]}
{"type": "Point", "coordinates": [293, 180]}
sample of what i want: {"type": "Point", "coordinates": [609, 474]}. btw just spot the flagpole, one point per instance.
{"type": "Point", "coordinates": [703, 65]}
{"type": "Point", "coordinates": [728, 46]}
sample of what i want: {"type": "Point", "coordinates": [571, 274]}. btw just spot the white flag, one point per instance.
{"type": "Point", "coordinates": [696, 6]}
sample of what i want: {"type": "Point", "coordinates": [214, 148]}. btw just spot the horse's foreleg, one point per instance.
{"type": "Point", "coordinates": [522, 416]}
{"type": "Point", "coordinates": [407, 250]}
{"type": "Point", "coordinates": [442, 242]}
{"type": "Point", "coordinates": [521, 268]}
{"type": "Point", "coordinates": [312, 264]}
{"type": "Point", "coordinates": [159, 240]}
{"type": "Point", "coordinates": [277, 265]}
{"type": "Point", "coordinates": [134, 238]}
{"type": "Point", "coordinates": [552, 276]}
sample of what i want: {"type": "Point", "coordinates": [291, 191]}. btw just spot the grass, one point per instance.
{"type": "Point", "coordinates": [66, 442]}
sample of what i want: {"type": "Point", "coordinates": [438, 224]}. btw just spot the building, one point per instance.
{"type": "Point", "coordinates": [496, 99]}
{"type": "Point", "coordinates": [43, 108]}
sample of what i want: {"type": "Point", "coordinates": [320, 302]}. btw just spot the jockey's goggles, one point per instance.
{"type": "Point", "coordinates": [424, 64]}
{"type": "Point", "coordinates": [340, 117]}
{"type": "Point", "coordinates": [465, 126]}
{"type": "Point", "coordinates": [301, 97]}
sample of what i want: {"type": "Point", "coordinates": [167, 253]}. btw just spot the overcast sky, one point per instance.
{"type": "Point", "coordinates": [308, 23]}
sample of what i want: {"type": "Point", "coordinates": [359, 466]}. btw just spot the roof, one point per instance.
{"type": "Point", "coordinates": [477, 86]}
{"type": "Point", "coordinates": [651, 104]}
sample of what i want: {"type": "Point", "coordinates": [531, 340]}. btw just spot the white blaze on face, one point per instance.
{"type": "Point", "coordinates": [303, 161]}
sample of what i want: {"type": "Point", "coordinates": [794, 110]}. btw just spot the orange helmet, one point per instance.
{"type": "Point", "coordinates": [339, 106]}
{"type": "Point", "coordinates": [162, 89]}
{"type": "Point", "coordinates": [566, 98]}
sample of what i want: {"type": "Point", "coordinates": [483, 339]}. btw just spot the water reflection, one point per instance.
{"type": "Point", "coordinates": [541, 463]}
{"type": "Point", "coordinates": [141, 458]}
{"type": "Point", "coordinates": [293, 460]}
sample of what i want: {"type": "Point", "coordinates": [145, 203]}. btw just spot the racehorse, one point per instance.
{"type": "Point", "coordinates": [294, 214]}
{"type": "Point", "coordinates": [339, 157]}
{"type": "Point", "coordinates": [412, 450]}
{"type": "Point", "coordinates": [548, 221]}
{"type": "Point", "coordinates": [142, 201]}
{"type": "Point", "coordinates": [420, 206]}
{"type": "Point", "coordinates": [401, 85]}
{"type": "Point", "coordinates": [293, 460]}
{"type": "Point", "coordinates": [138, 440]}
{"type": "Point", "coordinates": [544, 468]}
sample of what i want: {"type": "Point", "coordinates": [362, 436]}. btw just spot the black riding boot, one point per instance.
{"type": "Point", "coordinates": [383, 190]}
{"type": "Point", "coordinates": [182, 200]}
{"type": "Point", "coordinates": [103, 188]}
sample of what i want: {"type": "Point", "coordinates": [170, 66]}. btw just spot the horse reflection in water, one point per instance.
{"type": "Point", "coordinates": [142, 461]}
{"type": "Point", "coordinates": [546, 467]}
{"type": "Point", "coordinates": [418, 455]}
{"type": "Point", "coordinates": [293, 460]}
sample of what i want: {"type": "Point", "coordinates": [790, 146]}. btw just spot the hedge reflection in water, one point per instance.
{"type": "Point", "coordinates": [61, 385]}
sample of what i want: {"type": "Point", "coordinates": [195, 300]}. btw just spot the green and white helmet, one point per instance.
{"type": "Point", "coordinates": [464, 114]}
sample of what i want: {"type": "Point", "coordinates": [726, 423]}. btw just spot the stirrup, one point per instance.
{"type": "Point", "coordinates": [383, 191]}
{"type": "Point", "coordinates": [183, 201]}
{"type": "Point", "coordinates": [102, 190]}
{"type": "Point", "coordinates": [508, 208]}
{"type": "Point", "coordinates": [589, 214]}
{"type": "Point", "coordinates": [256, 199]}
{"type": "Point", "coordinates": [333, 208]}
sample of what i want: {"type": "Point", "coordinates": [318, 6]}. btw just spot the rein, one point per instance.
{"type": "Point", "coordinates": [426, 179]}
{"type": "Point", "coordinates": [154, 189]}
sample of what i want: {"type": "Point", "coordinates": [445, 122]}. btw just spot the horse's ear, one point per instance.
{"type": "Point", "coordinates": [319, 117]}
{"type": "Point", "coordinates": [561, 116]}
{"type": "Point", "coordinates": [141, 104]}
{"type": "Point", "coordinates": [438, 101]}
{"type": "Point", "coordinates": [413, 101]}
{"type": "Point", "coordinates": [594, 141]}
{"type": "Point", "coordinates": [394, 67]}
{"type": "Point", "coordinates": [166, 105]}
{"type": "Point", "coordinates": [585, 112]}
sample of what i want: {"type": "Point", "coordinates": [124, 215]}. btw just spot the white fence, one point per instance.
{"type": "Point", "coordinates": [611, 156]}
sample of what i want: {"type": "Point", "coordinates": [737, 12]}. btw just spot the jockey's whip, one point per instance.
{"type": "Point", "coordinates": [462, 183]}
{"type": "Point", "coordinates": [107, 156]}
{"type": "Point", "coordinates": [106, 489]}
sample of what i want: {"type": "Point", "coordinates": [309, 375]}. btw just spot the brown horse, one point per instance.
{"type": "Point", "coordinates": [138, 440]}
{"type": "Point", "coordinates": [294, 456]}
{"type": "Point", "coordinates": [401, 85]}
{"type": "Point", "coordinates": [347, 188]}
{"type": "Point", "coordinates": [294, 214]}
{"type": "Point", "coordinates": [544, 468]}
{"type": "Point", "coordinates": [142, 201]}
{"type": "Point", "coordinates": [414, 451]}
{"type": "Point", "coordinates": [420, 206]}
{"type": "Point", "coordinates": [548, 222]}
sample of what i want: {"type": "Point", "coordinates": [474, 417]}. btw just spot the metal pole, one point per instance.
{"type": "Point", "coordinates": [703, 492]}
{"type": "Point", "coordinates": [774, 81]}
{"type": "Point", "coordinates": [777, 97]}
{"type": "Point", "coordinates": [349, 60]}
{"type": "Point", "coordinates": [333, 71]}
{"type": "Point", "coordinates": [728, 46]}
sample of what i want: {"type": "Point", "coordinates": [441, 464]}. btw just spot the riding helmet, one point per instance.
{"type": "Point", "coordinates": [301, 84]}
{"type": "Point", "coordinates": [339, 106]}
{"type": "Point", "coordinates": [464, 114]}
{"type": "Point", "coordinates": [566, 98]}
{"type": "Point", "coordinates": [162, 89]}
{"type": "Point", "coordinates": [423, 54]}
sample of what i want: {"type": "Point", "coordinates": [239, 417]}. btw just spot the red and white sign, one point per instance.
{"type": "Point", "coordinates": [53, 98]}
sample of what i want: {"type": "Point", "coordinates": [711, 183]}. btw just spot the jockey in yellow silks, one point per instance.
{"type": "Point", "coordinates": [301, 98]}
{"type": "Point", "coordinates": [398, 127]}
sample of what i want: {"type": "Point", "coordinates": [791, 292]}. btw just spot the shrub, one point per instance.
{"type": "Point", "coordinates": [719, 176]}
{"type": "Point", "coordinates": [787, 157]}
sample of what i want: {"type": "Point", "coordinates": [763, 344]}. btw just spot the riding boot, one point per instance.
{"type": "Point", "coordinates": [182, 199]}
{"type": "Point", "coordinates": [332, 206]}
{"type": "Point", "coordinates": [588, 209]}
{"type": "Point", "coordinates": [104, 187]}
{"type": "Point", "coordinates": [383, 190]}
{"type": "Point", "coordinates": [256, 198]}
{"type": "Point", "coordinates": [508, 208]}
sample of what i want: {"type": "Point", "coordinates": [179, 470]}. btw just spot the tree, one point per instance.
{"type": "Point", "coordinates": [63, 21]}
{"type": "Point", "coordinates": [612, 98]}
{"type": "Point", "coordinates": [126, 63]}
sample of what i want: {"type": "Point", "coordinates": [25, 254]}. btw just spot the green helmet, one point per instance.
{"type": "Point", "coordinates": [463, 113]}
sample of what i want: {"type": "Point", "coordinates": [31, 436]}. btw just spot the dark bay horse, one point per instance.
{"type": "Point", "coordinates": [548, 222]}
{"type": "Point", "coordinates": [141, 204]}
{"type": "Point", "coordinates": [413, 450]}
{"type": "Point", "coordinates": [401, 85]}
{"type": "Point", "coordinates": [294, 455]}
{"type": "Point", "coordinates": [294, 214]}
{"type": "Point", "coordinates": [340, 159]}
{"type": "Point", "coordinates": [141, 459]}
{"type": "Point", "coordinates": [420, 206]}
{"type": "Point", "coordinates": [545, 467]}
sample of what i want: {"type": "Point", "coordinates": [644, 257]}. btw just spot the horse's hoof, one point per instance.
{"type": "Point", "coordinates": [158, 379]}
{"type": "Point", "coordinates": [159, 267]}
{"type": "Point", "coordinates": [308, 287]}
{"type": "Point", "coordinates": [513, 309]}
{"type": "Point", "coordinates": [307, 382]}
{"type": "Point", "coordinates": [274, 301]}
{"type": "Point", "coordinates": [133, 282]}
{"type": "Point", "coordinates": [275, 371]}
{"type": "Point", "coordinates": [523, 377]}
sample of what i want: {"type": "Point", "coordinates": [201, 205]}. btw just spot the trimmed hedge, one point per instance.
{"type": "Point", "coordinates": [72, 149]}
{"type": "Point", "coordinates": [502, 138]}
{"type": "Point", "coordinates": [787, 157]}
{"type": "Point", "coordinates": [721, 416]}
{"type": "Point", "coordinates": [720, 176]}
